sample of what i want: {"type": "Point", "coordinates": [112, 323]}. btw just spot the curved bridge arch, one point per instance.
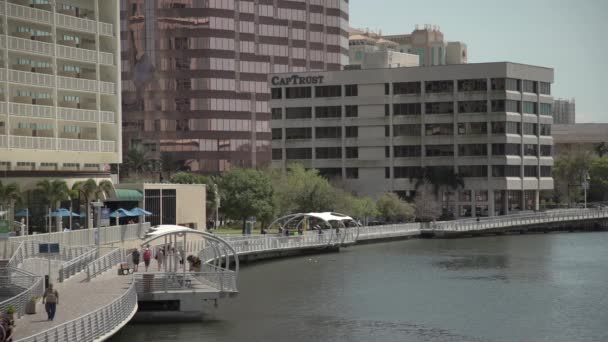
{"type": "Point", "coordinates": [327, 217]}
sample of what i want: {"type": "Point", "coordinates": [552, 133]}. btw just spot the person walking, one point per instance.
{"type": "Point", "coordinates": [135, 257]}
{"type": "Point", "coordinates": [147, 258]}
{"type": "Point", "coordinates": [160, 258]}
{"type": "Point", "coordinates": [50, 299]}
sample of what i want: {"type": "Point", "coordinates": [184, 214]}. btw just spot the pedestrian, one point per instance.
{"type": "Point", "coordinates": [135, 257]}
{"type": "Point", "coordinates": [147, 258]}
{"type": "Point", "coordinates": [50, 299]}
{"type": "Point", "coordinates": [160, 258]}
{"type": "Point", "coordinates": [6, 328]}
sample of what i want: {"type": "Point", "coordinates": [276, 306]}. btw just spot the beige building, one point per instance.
{"type": "Point", "coordinates": [369, 51]}
{"type": "Point", "coordinates": [59, 89]}
{"type": "Point", "coordinates": [379, 130]}
{"type": "Point", "coordinates": [577, 137]}
{"type": "Point", "coordinates": [181, 204]}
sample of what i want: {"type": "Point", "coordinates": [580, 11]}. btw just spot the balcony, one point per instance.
{"type": "Point", "coordinates": [78, 145]}
{"type": "Point", "coordinates": [77, 84]}
{"type": "Point", "coordinates": [33, 111]}
{"type": "Point", "coordinates": [2, 107]}
{"type": "Point", "coordinates": [31, 78]}
{"type": "Point", "coordinates": [35, 143]}
{"type": "Point", "coordinates": [3, 141]}
{"type": "Point", "coordinates": [108, 146]}
{"type": "Point", "coordinates": [75, 23]}
{"type": "Point", "coordinates": [107, 117]}
{"type": "Point", "coordinates": [2, 75]}
{"type": "Point", "coordinates": [106, 29]}
{"type": "Point", "coordinates": [106, 58]}
{"type": "Point", "coordinates": [77, 54]}
{"type": "Point", "coordinates": [28, 13]}
{"type": "Point", "coordinates": [107, 88]}
{"type": "Point", "coordinates": [32, 46]}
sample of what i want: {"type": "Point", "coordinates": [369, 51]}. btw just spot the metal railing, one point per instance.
{"type": "Point", "coordinates": [3, 141]}
{"type": "Point", "coordinates": [36, 143]}
{"type": "Point", "coordinates": [224, 281]}
{"type": "Point", "coordinates": [107, 87]}
{"type": "Point", "coordinates": [27, 285]}
{"type": "Point", "coordinates": [78, 145]}
{"type": "Point", "coordinates": [28, 13]}
{"type": "Point", "coordinates": [79, 24]}
{"type": "Point", "coordinates": [106, 58]}
{"type": "Point", "coordinates": [3, 108]}
{"type": "Point", "coordinates": [106, 29]}
{"type": "Point", "coordinates": [388, 231]}
{"type": "Point", "coordinates": [74, 114]}
{"type": "Point", "coordinates": [107, 146]}
{"type": "Point", "coordinates": [76, 265]}
{"type": "Point", "coordinates": [34, 111]}
{"type": "Point", "coordinates": [95, 325]}
{"type": "Point", "coordinates": [18, 256]}
{"type": "Point", "coordinates": [79, 84]}
{"type": "Point", "coordinates": [31, 78]}
{"type": "Point", "coordinates": [105, 263]}
{"type": "Point", "coordinates": [41, 48]}
{"type": "Point", "coordinates": [78, 54]}
{"type": "Point", "coordinates": [107, 116]}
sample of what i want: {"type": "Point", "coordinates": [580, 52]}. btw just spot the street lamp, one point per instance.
{"type": "Point", "coordinates": [586, 186]}
{"type": "Point", "coordinates": [97, 205]}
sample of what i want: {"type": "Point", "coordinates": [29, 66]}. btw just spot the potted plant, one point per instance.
{"type": "Point", "coordinates": [10, 312]}
{"type": "Point", "coordinates": [30, 307]}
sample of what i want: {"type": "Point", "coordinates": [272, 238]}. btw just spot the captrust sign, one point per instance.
{"type": "Point", "coordinates": [296, 80]}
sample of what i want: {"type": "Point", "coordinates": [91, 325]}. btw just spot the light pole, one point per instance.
{"type": "Point", "coordinates": [217, 206]}
{"type": "Point", "coordinates": [586, 186]}
{"type": "Point", "coordinates": [97, 205]}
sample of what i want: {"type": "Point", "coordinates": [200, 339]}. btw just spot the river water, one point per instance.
{"type": "Point", "coordinates": [551, 287]}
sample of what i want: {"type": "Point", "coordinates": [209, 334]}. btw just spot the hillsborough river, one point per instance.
{"type": "Point", "coordinates": [551, 287]}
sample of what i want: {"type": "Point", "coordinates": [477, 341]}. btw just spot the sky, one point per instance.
{"type": "Point", "coordinates": [570, 36]}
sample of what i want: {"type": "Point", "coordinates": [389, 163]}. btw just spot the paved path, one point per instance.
{"type": "Point", "coordinates": [76, 298]}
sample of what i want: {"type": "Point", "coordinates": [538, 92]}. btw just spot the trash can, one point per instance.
{"type": "Point", "coordinates": [46, 282]}
{"type": "Point", "coordinates": [248, 227]}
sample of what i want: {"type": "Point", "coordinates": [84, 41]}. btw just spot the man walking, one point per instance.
{"type": "Point", "coordinates": [50, 299]}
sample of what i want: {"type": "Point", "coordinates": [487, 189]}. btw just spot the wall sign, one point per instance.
{"type": "Point", "coordinates": [296, 80]}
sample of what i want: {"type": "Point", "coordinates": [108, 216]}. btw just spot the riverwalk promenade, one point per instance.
{"type": "Point", "coordinates": [95, 301]}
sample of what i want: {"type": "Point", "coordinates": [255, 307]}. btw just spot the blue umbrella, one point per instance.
{"type": "Point", "coordinates": [61, 212]}
{"type": "Point", "coordinates": [140, 212]}
{"type": "Point", "coordinates": [23, 213]}
{"type": "Point", "coordinates": [122, 213]}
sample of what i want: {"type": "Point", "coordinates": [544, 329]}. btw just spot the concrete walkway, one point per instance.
{"type": "Point", "coordinates": [76, 298]}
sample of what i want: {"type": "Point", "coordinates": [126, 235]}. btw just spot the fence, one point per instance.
{"type": "Point", "coordinates": [189, 281]}
{"type": "Point", "coordinates": [388, 231]}
{"type": "Point", "coordinates": [105, 263]}
{"type": "Point", "coordinates": [76, 265]}
{"type": "Point", "coordinates": [26, 285]}
{"type": "Point", "coordinates": [95, 325]}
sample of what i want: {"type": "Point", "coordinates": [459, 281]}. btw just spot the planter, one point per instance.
{"type": "Point", "coordinates": [30, 308]}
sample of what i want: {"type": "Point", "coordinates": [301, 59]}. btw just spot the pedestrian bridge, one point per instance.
{"type": "Point", "coordinates": [95, 302]}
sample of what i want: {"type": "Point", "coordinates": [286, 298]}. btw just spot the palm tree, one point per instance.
{"type": "Point", "coordinates": [9, 194]}
{"type": "Point", "coordinates": [90, 190]}
{"type": "Point", "coordinates": [53, 192]}
{"type": "Point", "coordinates": [137, 160]}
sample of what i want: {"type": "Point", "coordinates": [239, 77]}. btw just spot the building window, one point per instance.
{"type": "Point", "coordinates": [530, 128]}
{"type": "Point", "coordinates": [506, 171]}
{"type": "Point", "coordinates": [277, 133]}
{"type": "Point", "coordinates": [481, 196]}
{"type": "Point", "coordinates": [328, 91]}
{"type": "Point", "coordinates": [546, 150]}
{"type": "Point", "coordinates": [352, 152]}
{"type": "Point", "coordinates": [529, 86]}
{"type": "Point", "coordinates": [546, 109]}
{"type": "Point", "coordinates": [277, 93]}
{"type": "Point", "coordinates": [472, 150]}
{"type": "Point", "coordinates": [406, 130]}
{"type": "Point", "coordinates": [328, 152]}
{"type": "Point", "coordinates": [511, 106]}
{"type": "Point", "coordinates": [464, 196]}
{"type": "Point", "coordinates": [545, 171]}
{"type": "Point", "coordinates": [545, 130]}
{"type": "Point", "coordinates": [440, 108]}
{"type": "Point", "coordinates": [439, 86]}
{"type": "Point", "coordinates": [506, 127]}
{"type": "Point", "coordinates": [506, 149]}
{"type": "Point", "coordinates": [298, 113]}
{"type": "Point", "coordinates": [277, 113]}
{"type": "Point", "coordinates": [330, 173]}
{"type": "Point", "coordinates": [406, 108]}
{"type": "Point", "coordinates": [472, 128]}
{"type": "Point", "coordinates": [298, 92]}
{"type": "Point", "coordinates": [472, 107]}
{"type": "Point", "coordinates": [439, 150]}
{"type": "Point", "coordinates": [473, 85]}
{"type": "Point", "coordinates": [387, 88]}
{"type": "Point", "coordinates": [407, 151]}
{"type": "Point", "coordinates": [352, 131]}
{"type": "Point", "coordinates": [545, 88]}
{"type": "Point", "coordinates": [352, 173]}
{"type": "Point", "coordinates": [406, 88]}
{"type": "Point", "coordinates": [328, 112]}
{"type": "Point", "coordinates": [531, 171]}
{"type": "Point", "coordinates": [439, 129]}
{"type": "Point", "coordinates": [387, 110]}
{"type": "Point", "coordinates": [407, 172]}
{"type": "Point", "coordinates": [531, 150]}
{"type": "Point", "coordinates": [530, 108]}
{"type": "Point", "coordinates": [351, 90]}
{"type": "Point", "coordinates": [277, 154]}
{"type": "Point", "coordinates": [351, 111]}
{"type": "Point", "coordinates": [298, 133]}
{"type": "Point", "coordinates": [387, 172]}
{"type": "Point", "coordinates": [505, 84]}
{"type": "Point", "coordinates": [328, 132]}
{"type": "Point", "coordinates": [298, 153]}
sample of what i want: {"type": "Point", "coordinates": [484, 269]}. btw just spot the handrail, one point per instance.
{"type": "Point", "coordinates": [94, 325]}
{"type": "Point", "coordinates": [76, 265]}
{"type": "Point", "coordinates": [18, 256]}
{"type": "Point", "coordinates": [105, 263]}
{"type": "Point", "coordinates": [32, 284]}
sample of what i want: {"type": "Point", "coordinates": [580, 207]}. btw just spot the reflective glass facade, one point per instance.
{"type": "Point", "coordinates": [194, 72]}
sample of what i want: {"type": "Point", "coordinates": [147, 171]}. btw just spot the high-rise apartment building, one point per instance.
{"type": "Point", "coordinates": [60, 91]}
{"type": "Point", "coordinates": [564, 112]}
{"type": "Point", "coordinates": [382, 130]}
{"type": "Point", "coordinates": [194, 72]}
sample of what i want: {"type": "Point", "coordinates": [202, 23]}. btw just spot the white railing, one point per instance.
{"type": "Point", "coordinates": [32, 46]}
{"type": "Point", "coordinates": [107, 87]}
{"type": "Point", "coordinates": [18, 256]}
{"type": "Point", "coordinates": [388, 231]}
{"type": "Point", "coordinates": [106, 58]}
{"type": "Point", "coordinates": [28, 13]}
{"type": "Point", "coordinates": [36, 143]}
{"type": "Point", "coordinates": [219, 278]}
{"type": "Point", "coordinates": [78, 145]}
{"type": "Point", "coordinates": [27, 285]}
{"type": "Point", "coordinates": [31, 78]}
{"type": "Point", "coordinates": [105, 263]}
{"type": "Point", "coordinates": [2, 41]}
{"type": "Point", "coordinates": [86, 237]}
{"type": "Point", "coordinates": [224, 281]}
{"type": "Point", "coordinates": [2, 75]}
{"type": "Point", "coordinates": [106, 29]}
{"type": "Point", "coordinates": [34, 111]}
{"type": "Point", "coordinates": [73, 114]}
{"type": "Point", "coordinates": [108, 146]}
{"type": "Point", "coordinates": [107, 117]}
{"type": "Point", "coordinates": [76, 265]}
{"type": "Point", "coordinates": [95, 325]}
{"type": "Point", "coordinates": [75, 23]}
{"type": "Point", "coordinates": [3, 141]}
{"type": "Point", "coordinates": [79, 84]}
{"type": "Point", "coordinates": [83, 55]}
{"type": "Point", "coordinates": [3, 108]}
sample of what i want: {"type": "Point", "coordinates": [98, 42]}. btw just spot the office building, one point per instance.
{"type": "Point", "coordinates": [194, 72]}
{"type": "Point", "coordinates": [60, 94]}
{"type": "Point", "coordinates": [578, 137]}
{"type": "Point", "coordinates": [378, 130]}
{"type": "Point", "coordinates": [369, 51]}
{"type": "Point", "coordinates": [564, 111]}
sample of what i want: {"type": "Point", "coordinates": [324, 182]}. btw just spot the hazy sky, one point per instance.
{"type": "Point", "coordinates": [570, 36]}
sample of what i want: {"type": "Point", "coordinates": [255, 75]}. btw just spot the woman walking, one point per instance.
{"type": "Point", "coordinates": [50, 299]}
{"type": "Point", "coordinates": [160, 258]}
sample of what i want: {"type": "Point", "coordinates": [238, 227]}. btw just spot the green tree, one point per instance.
{"type": "Point", "coordinates": [9, 195]}
{"type": "Point", "coordinates": [569, 171]}
{"type": "Point", "coordinates": [88, 191]}
{"type": "Point", "coordinates": [301, 190]}
{"type": "Point", "coordinates": [138, 161]}
{"type": "Point", "coordinates": [245, 193]}
{"type": "Point", "coordinates": [601, 149]}
{"type": "Point", "coordinates": [393, 209]}
{"type": "Point", "coordinates": [427, 207]}
{"type": "Point", "coordinates": [598, 173]}
{"type": "Point", "coordinates": [53, 192]}
{"type": "Point", "coordinates": [365, 208]}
